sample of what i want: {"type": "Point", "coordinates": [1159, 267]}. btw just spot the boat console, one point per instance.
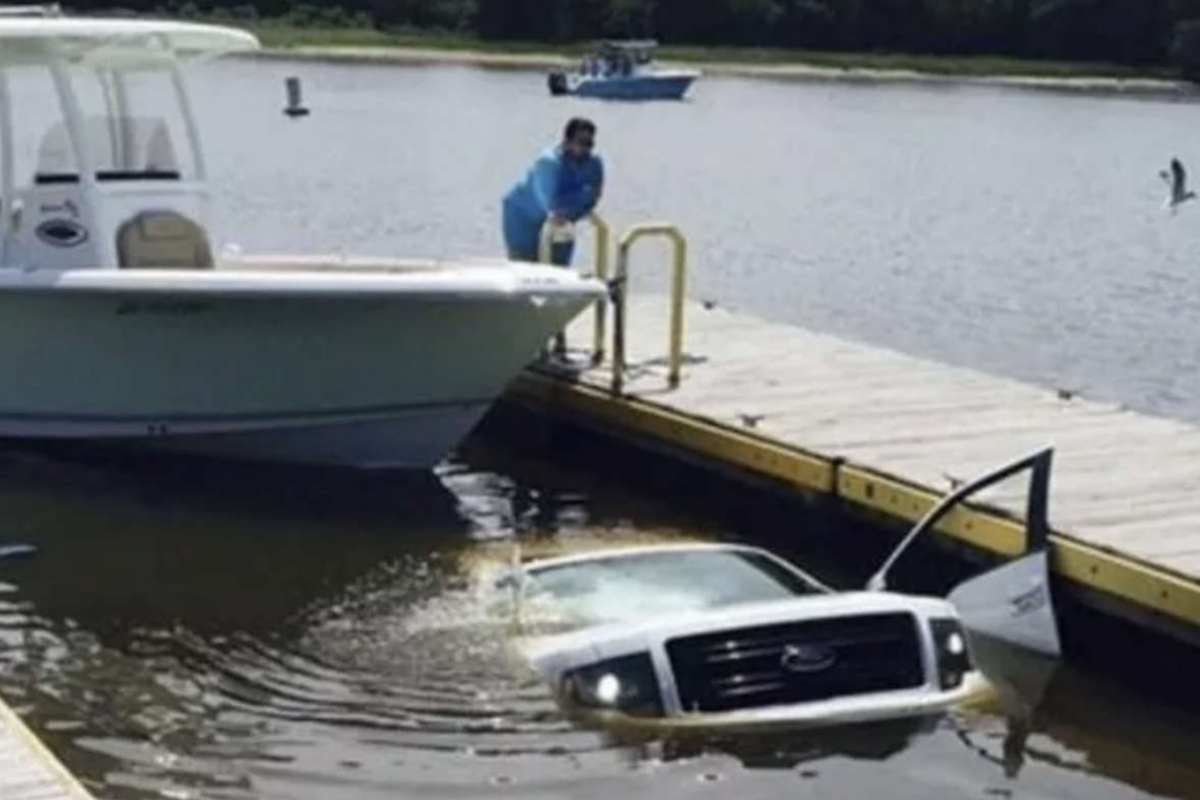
{"type": "Point", "coordinates": [107, 172]}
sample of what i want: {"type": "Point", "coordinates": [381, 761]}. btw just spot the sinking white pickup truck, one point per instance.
{"type": "Point", "coordinates": [728, 636]}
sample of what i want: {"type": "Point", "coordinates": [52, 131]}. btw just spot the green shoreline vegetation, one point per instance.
{"type": "Point", "coordinates": [281, 37]}
{"type": "Point", "coordinates": [1157, 40]}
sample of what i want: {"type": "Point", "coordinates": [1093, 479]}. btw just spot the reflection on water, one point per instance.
{"type": "Point", "coordinates": [191, 630]}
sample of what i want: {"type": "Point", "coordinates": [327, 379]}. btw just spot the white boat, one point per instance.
{"type": "Point", "coordinates": [118, 324]}
{"type": "Point", "coordinates": [623, 70]}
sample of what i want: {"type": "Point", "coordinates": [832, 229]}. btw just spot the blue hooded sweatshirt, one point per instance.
{"type": "Point", "coordinates": [555, 182]}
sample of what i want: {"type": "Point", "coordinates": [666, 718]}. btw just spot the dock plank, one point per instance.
{"type": "Point", "coordinates": [28, 771]}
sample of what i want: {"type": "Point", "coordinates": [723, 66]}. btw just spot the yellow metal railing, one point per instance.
{"type": "Point", "coordinates": [600, 268]}
{"type": "Point", "coordinates": [678, 288]}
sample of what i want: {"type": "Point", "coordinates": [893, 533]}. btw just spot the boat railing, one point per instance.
{"type": "Point", "coordinates": [620, 289]}
{"type": "Point", "coordinates": [602, 238]}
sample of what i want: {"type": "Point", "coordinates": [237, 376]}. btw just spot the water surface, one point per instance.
{"type": "Point", "coordinates": [203, 631]}
{"type": "Point", "coordinates": [1017, 232]}
{"type": "Point", "coordinates": [243, 634]}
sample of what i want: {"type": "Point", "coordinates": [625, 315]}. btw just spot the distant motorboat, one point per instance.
{"type": "Point", "coordinates": [623, 70]}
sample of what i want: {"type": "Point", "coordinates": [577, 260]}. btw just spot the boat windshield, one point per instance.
{"type": "Point", "coordinates": [616, 59]}
{"type": "Point", "coordinates": [646, 585]}
{"type": "Point", "coordinates": [132, 126]}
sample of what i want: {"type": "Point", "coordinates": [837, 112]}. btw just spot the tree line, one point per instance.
{"type": "Point", "coordinates": [1135, 32]}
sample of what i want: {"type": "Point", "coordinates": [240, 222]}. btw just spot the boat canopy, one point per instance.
{"type": "Point", "coordinates": [100, 159]}
{"type": "Point", "coordinates": [114, 43]}
{"type": "Point", "coordinates": [619, 52]}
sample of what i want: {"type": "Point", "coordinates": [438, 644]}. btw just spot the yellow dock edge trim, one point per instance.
{"type": "Point", "coordinates": [691, 433]}
{"type": "Point", "coordinates": [71, 787]}
{"type": "Point", "coordinates": [994, 533]}
{"type": "Point", "coordinates": [1146, 585]}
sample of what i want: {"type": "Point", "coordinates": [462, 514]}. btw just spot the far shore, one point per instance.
{"type": "Point", "coordinates": [415, 55]}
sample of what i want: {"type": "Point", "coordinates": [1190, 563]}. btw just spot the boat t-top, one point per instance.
{"type": "Point", "coordinates": [623, 70]}
{"type": "Point", "coordinates": [120, 322]}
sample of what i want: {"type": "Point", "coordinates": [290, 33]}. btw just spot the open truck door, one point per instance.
{"type": "Point", "coordinates": [1010, 603]}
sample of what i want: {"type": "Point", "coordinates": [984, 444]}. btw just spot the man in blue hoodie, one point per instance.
{"type": "Point", "coordinates": [562, 186]}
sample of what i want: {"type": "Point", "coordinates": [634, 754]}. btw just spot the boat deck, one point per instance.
{"type": "Point", "coordinates": [28, 771]}
{"type": "Point", "coordinates": [891, 433]}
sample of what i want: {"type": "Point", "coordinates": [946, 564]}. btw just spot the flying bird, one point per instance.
{"type": "Point", "coordinates": [1176, 181]}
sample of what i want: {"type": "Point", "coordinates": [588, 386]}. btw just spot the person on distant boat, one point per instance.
{"type": "Point", "coordinates": [562, 187]}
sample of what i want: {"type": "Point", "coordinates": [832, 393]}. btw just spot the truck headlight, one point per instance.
{"type": "Point", "coordinates": [953, 654]}
{"type": "Point", "coordinates": [627, 684]}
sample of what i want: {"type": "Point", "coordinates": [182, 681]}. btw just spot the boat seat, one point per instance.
{"type": "Point", "coordinates": [162, 240]}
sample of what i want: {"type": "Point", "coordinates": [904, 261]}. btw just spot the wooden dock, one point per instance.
{"type": "Point", "coordinates": [891, 433]}
{"type": "Point", "coordinates": [28, 771]}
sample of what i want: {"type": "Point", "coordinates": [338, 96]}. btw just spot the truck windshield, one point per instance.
{"type": "Point", "coordinates": [643, 585]}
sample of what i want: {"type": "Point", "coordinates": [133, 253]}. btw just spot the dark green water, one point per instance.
{"type": "Point", "coordinates": [192, 630]}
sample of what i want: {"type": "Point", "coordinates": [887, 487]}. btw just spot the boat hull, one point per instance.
{"type": "Point", "coordinates": [648, 87]}
{"type": "Point", "coordinates": [402, 438]}
{"type": "Point", "coordinates": [387, 371]}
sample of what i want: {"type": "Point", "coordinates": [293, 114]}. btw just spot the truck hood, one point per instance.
{"type": "Point", "coordinates": [552, 654]}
